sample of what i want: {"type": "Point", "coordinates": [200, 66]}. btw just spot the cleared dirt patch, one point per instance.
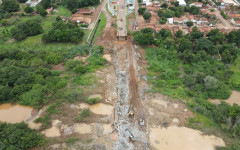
{"type": "Point", "coordinates": [101, 109]}
{"type": "Point", "coordinates": [107, 57]}
{"type": "Point", "coordinates": [82, 128]}
{"type": "Point", "coordinates": [59, 67]}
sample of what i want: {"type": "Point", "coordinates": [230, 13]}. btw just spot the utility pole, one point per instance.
{"type": "Point", "coordinates": [91, 42]}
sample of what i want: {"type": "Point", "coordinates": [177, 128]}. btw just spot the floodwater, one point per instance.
{"type": "Point", "coordinates": [82, 128]}
{"type": "Point", "coordinates": [101, 109]}
{"type": "Point", "coordinates": [233, 99]}
{"type": "Point", "coordinates": [107, 57]}
{"type": "Point", "coordinates": [15, 113]}
{"type": "Point", "coordinates": [173, 138]}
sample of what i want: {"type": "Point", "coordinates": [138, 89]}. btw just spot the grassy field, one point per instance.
{"type": "Point", "coordinates": [63, 11]}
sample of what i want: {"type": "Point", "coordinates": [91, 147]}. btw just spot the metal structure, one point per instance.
{"type": "Point", "coordinates": [91, 42]}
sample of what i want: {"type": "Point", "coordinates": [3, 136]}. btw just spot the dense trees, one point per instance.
{"type": "Point", "coordinates": [64, 32]}
{"type": "Point", "coordinates": [141, 10]}
{"type": "Point", "coordinates": [147, 15]}
{"type": "Point", "coordinates": [22, 1]}
{"type": "Point", "coordinates": [190, 67]}
{"type": "Point", "coordinates": [45, 3]}
{"type": "Point", "coordinates": [28, 10]}
{"type": "Point", "coordinates": [74, 4]}
{"type": "Point", "coordinates": [189, 23]}
{"type": "Point", "coordinates": [24, 75]}
{"type": "Point", "coordinates": [10, 5]}
{"type": "Point", "coordinates": [19, 137]}
{"type": "Point", "coordinates": [209, 76]}
{"type": "Point", "coordinates": [43, 13]}
{"type": "Point", "coordinates": [144, 37]}
{"type": "Point", "coordinates": [24, 29]}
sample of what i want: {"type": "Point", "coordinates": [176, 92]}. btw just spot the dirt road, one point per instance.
{"type": "Point", "coordinates": [124, 59]}
{"type": "Point", "coordinates": [224, 22]}
{"type": "Point", "coordinates": [96, 13]}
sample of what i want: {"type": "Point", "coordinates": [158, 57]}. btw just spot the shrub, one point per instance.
{"type": "Point", "coordinates": [84, 114]}
{"type": "Point", "coordinates": [71, 140]}
{"type": "Point", "coordinates": [92, 101]}
{"type": "Point", "coordinates": [19, 137]}
{"type": "Point", "coordinates": [43, 13]}
{"type": "Point", "coordinates": [28, 28]}
{"type": "Point", "coordinates": [141, 10]}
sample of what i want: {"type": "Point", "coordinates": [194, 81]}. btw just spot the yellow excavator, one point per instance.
{"type": "Point", "coordinates": [131, 111]}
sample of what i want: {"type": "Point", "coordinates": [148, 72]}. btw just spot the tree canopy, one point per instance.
{"type": "Point", "coordinates": [27, 28]}
{"type": "Point", "coordinates": [63, 32]}
{"type": "Point", "coordinates": [19, 137]}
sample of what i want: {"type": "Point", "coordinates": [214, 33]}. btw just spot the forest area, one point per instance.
{"type": "Point", "coordinates": [195, 68]}
{"type": "Point", "coordinates": [31, 46]}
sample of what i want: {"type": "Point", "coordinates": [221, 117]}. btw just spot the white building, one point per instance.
{"type": "Point", "coordinates": [182, 2]}
{"type": "Point", "coordinates": [170, 20]}
{"type": "Point", "coordinates": [197, 4]}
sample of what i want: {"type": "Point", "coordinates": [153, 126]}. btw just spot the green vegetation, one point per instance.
{"type": "Point", "coordinates": [84, 114]}
{"type": "Point", "coordinates": [92, 101]}
{"type": "Point", "coordinates": [100, 27]}
{"type": "Point", "coordinates": [71, 140]}
{"type": "Point", "coordinates": [196, 68]}
{"type": "Point", "coordinates": [63, 32]}
{"type": "Point", "coordinates": [74, 4]}
{"type": "Point", "coordinates": [19, 137]}
{"type": "Point", "coordinates": [225, 16]}
{"type": "Point", "coordinates": [62, 11]}
{"type": "Point", "coordinates": [147, 16]}
{"type": "Point", "coordinates": [27, 28]}
{"type": "Point", "coordinates": [141, 10]}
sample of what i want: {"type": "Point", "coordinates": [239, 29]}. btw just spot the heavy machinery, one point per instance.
{"type": "Point", "coordinates": [131, 111]}
{"type": "Point", "coordinates": [91, 42]}
{"type": "Point", "coordinates": [132, 137]}
{"type": "Point", "coordinates": [141, 121]}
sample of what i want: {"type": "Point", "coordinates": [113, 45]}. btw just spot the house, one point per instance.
{"type": "Point", "coordinates": [191, 18]}
{"type": "Point", "coordinates": [64, 19]}
{"type": "Point", "coordinates": [182, 2]}
{"type": "Point", "coordinates": [177, 20]}
{"type": "Point", "coordinates": [211, 13]}
{"type": "Point", "coordinates": [49, 10]}
{"type": "Point", "coordinates": [184, 19]}
{"type": "Point", "coordinates": [197, 4]}
{"type": "Point", "coordinates": [82, 20]}
{"type": "Point", "coordinates": [170, 20]}
{"type": "Point", "coordinates": [86, 11]}
{"type": "Point", "coordinates": [232, 15]}
{"type": "Point", "coordinates": [204, 11]}
{"type": "Point", "coordinates": [235, 22]}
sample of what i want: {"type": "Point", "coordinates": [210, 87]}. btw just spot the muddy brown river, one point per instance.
{"type": "Point", "coordinates": [182, 138]}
